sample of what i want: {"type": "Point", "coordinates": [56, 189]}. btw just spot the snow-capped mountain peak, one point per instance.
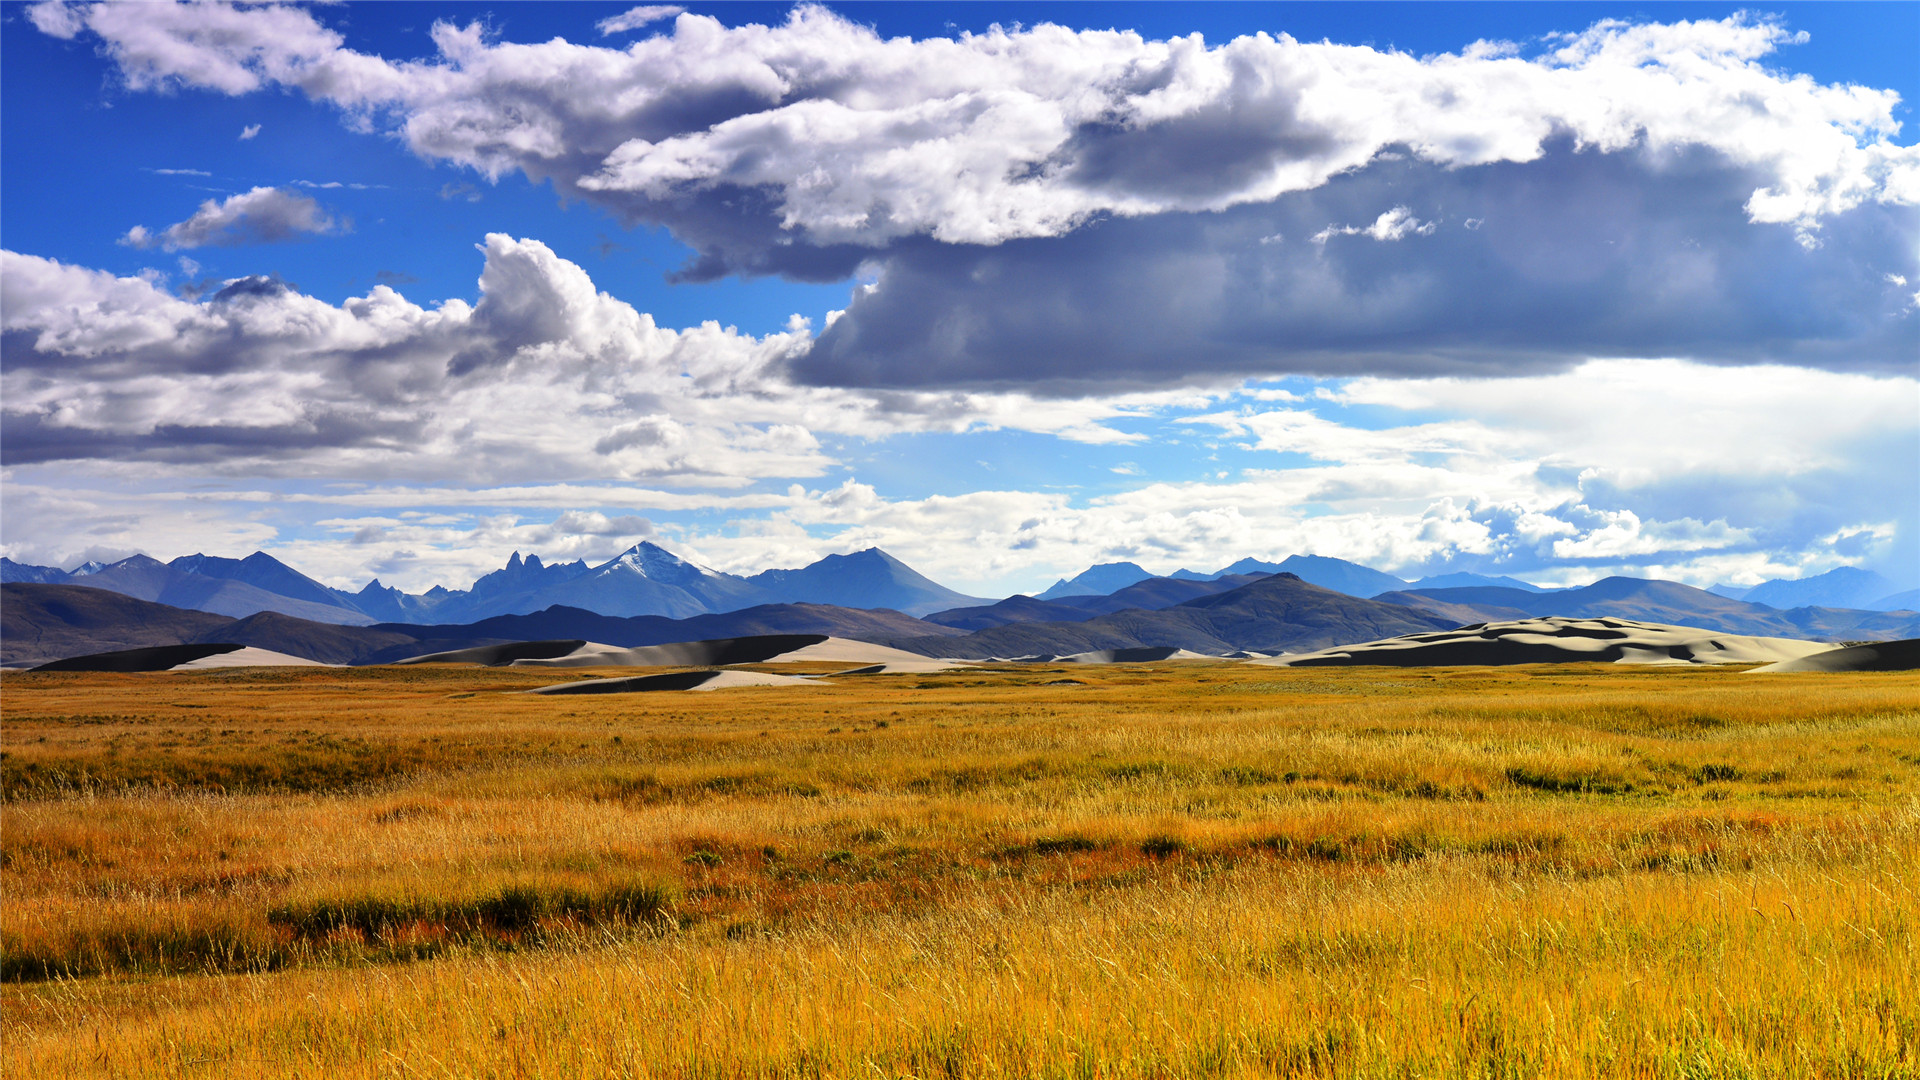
{"type": "Point", "coordinates": [655, 563]}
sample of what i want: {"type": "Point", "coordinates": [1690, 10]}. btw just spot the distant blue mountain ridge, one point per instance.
{"type": "Point", "coordinates": [647, 579]}
{"type": "Point", "coordinates": [1097, 581]}
{"type": "Point", "coordinates": [1841, 587]}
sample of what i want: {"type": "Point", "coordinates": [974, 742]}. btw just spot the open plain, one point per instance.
{"type": "Point", "coordinates": [1182, 869]}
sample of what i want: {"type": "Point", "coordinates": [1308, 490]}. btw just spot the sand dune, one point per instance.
{"type": "Point", "coordinates": [675, 680]}
{"type": "Point", "coordinates": [722, 652]}
{"type": "Point", "coordinates": [764, 649]}
{"type": "Point", "coordinates": [248, 657]}
{"type": "Point", "coordinates": [1559, 640]}
{"type": "Point", "coordinates": [904, 667]}
{"type": "Point", "coordinates": [157, 658]}
{"type": "Point", "coordinates": [1141, 654]}
{"type": "Point", "coordinates": [717, 652]}
{"type": "Point", "coordinates": [848, 651]}
{"type": "Point", "coordinates": [502, 654]}
{"type": "Point", "coordinates": [194, 657]}
{"type": "Point", "coordinates": [594, 654]}
{"type": "Point", "coordinates": [1879, 656]}
{"type": "Point", "coordinates": [1150, 654]}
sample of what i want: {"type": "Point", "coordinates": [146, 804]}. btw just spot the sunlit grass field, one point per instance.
{"type": "Point", "coordinates": [1165, 870]}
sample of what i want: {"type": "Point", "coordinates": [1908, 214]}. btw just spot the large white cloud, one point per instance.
{"type": "Point", "coordinates": [1512, 269]}
{"type": "Point", "coordinates": [1633, 190]}
{"type": "Point", "coordinates": [1030, 132]}
{"type": "Point", "coordinates": [544, 376]}
{"type": "Point", "coordinates": [1646, 467]}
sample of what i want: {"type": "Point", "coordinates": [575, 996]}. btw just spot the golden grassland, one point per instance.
{"type": "Point", "coordinates": [1166, 870]}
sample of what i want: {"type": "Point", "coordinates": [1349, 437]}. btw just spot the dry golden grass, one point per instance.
{"type": "Point", "coordinates": [1180, 870]}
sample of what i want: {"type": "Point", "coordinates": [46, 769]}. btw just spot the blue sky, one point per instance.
{"type": "Point", "coordinates": [1552, 290]}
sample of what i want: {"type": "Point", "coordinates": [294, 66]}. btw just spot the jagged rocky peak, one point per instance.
{"type": "Point", "coordinates": [530, 563]}
{"type": "Point", "coordinates": [524, 572]}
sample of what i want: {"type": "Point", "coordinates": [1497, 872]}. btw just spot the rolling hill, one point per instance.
{"type": "Point", "coordinates": [1271, 614]}
{"type": "Point", "coordinates": [40, 623]}
{"type": "Point", "coordinates": [1151, 594]}
{"type": "Point", "coordinates": [1671, 603]}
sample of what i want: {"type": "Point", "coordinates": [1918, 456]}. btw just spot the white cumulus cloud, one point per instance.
{"type": "Point", "coordinates": [983, 138]}
{"type": "Point", "coordinates": [1394, 224]}
{"type": "Point", "coordinates": [545, 375]}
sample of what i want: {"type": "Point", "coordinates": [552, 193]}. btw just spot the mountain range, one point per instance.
{"type": "Point", "coordinates": [1667, 602]}
{"type": "Point", "coordinates": [646, 579]}
{"type": "Point", "coordinates": [1237, 613]}
{"type": "Point", "coordinates": [648, 595]}
{"type": "Point", "coordinates": [1328, 573]}
{"type": "Point", "coordinates": [39, 623]}
{"type": "Point", "coordinates": [1841, 587]}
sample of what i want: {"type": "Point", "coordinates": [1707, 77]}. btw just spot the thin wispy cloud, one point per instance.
{"type": "Point", "coordinates": [635, 18]}
{"type": "Point", "coordinates": [264, 215]}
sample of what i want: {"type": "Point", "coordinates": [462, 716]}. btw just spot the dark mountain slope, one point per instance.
{"type": "Point", "coordinates": [324, 642]}
{"type": "Point", "coordinates": [40, 623]}
{"type": "Point", "coordinates": [1339, 575]}
{"type": "Point", "coordinates": [1666, 602]}
{"type": "Point", "coordinates": [1149, 595]}
{"type": "Point", "coordinates": [1154, 594]}
{"type": "Point", "coordinates": [1461, 614]}
{"type": "Point", "coordinates": [1014, 609]}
